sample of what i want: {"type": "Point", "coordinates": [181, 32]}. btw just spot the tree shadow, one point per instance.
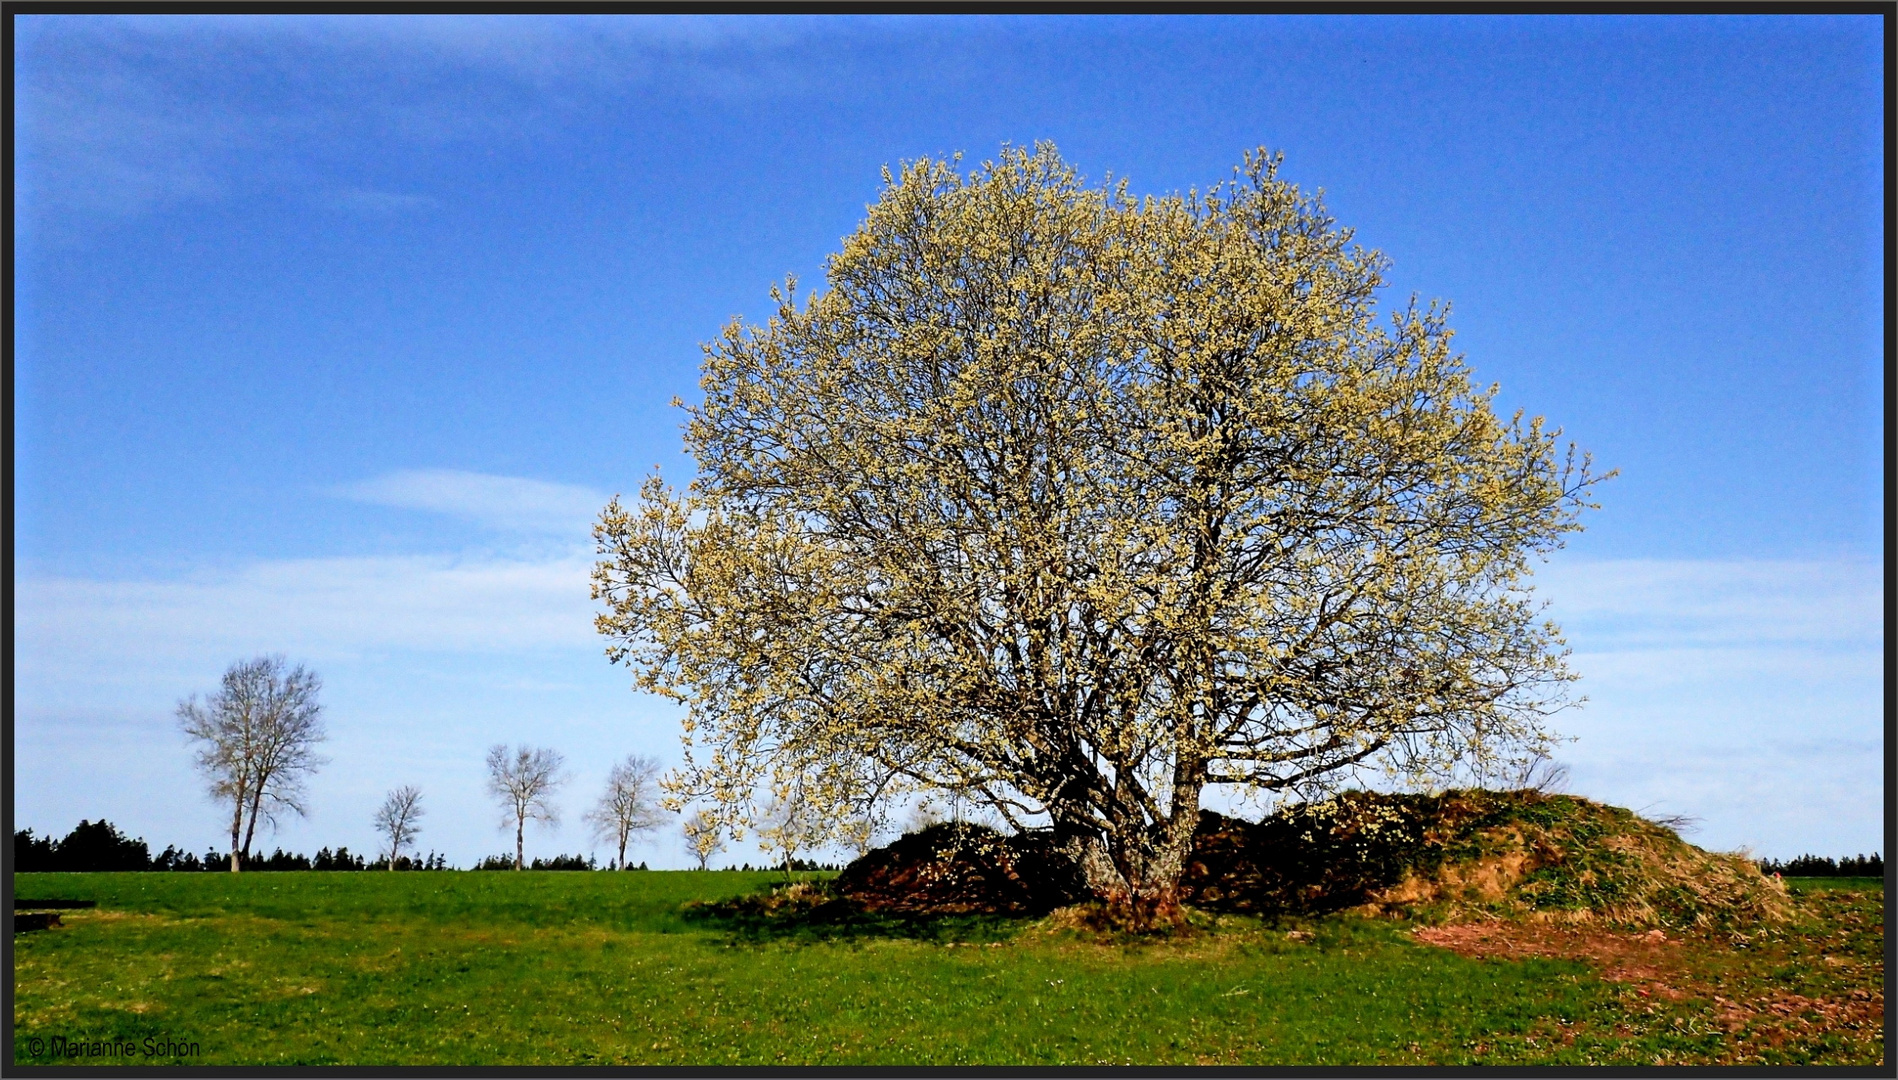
{"type": "Point", "coordinates": [811, 914]}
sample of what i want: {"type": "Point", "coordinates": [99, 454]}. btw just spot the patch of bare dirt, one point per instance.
{"type": "Point", "coordinates": [1657, 966]}
{"type": "Point", "coordinates": [1782, 1017]}
{"type": "Point", "coordinates": [1650, 960]}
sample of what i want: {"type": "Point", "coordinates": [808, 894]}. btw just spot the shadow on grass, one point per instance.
{"type": "Point", "coordinates": [807, 912]}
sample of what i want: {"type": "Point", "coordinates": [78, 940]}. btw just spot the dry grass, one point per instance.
{"type": "Point", "coordinates": [1526, 854]}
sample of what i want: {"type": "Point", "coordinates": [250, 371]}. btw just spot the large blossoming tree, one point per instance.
{"type": "Point", "coordinates": [1078, 505]}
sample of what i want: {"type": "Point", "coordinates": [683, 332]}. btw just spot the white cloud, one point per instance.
{"type": "Point", "coordinates": [425, 660]}
{"type": "Point", "coordinates": [80, 640]}
{"type": "Point", "coordinates": [1681, 602]}
{"type": "Point", "coordinates": [120, 117]}
{"type": "Point", "coordinates": [111, 142]}
{"type": "Point", "coordinates": [500, 502]}
{"type": "Point", "coordinates": [1746, 693]}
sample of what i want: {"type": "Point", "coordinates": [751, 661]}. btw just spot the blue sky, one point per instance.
{"type": "Point", "coordinates": [333, 333]}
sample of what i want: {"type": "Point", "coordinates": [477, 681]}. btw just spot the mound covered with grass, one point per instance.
{"type": "Point", "coordinates": [1504, 854]}
{"type": "Point", "coordinates": [1510, 853]}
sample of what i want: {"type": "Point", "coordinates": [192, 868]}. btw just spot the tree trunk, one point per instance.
{"type": "Point", "coordinates": [237, 826]}
{"type": "Point", "coordinates": [1137, 874]}
{"type": "Point", "coordinates": [256, 801]}
{"type": "Point", "coordinates": [1153, 867]}
{"type": "Point", "coordinates": [621, 865]}
{"type": "Point", "coordinates": [520, 825]}
{"type": "Point", "coordinates": [1077, 838]}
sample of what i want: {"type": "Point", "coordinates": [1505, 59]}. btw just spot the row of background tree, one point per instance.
{"type": "Point", "coordinates": [99, 845]}
{"type": "Point", "coordinates": [1821, 866]}
{"type": "Point", "coordinates": [256, 738]}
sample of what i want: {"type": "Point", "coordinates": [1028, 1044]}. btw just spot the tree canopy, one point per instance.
{"type": "Point", "coordinates": [1077, 504]}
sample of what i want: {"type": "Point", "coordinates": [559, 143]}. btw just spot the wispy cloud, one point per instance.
{"type": "Point", "coordinates": [1650, 602]}
{"type": "Point", "coordinates": [500, 502]}
{"type": "Point", "coordinates": [1759, 711]}
{"type": "Point", "coordinates": [121, 116]}
{"type": "Point", "coordinates": [342, 606]}
{"type": "Point", "coordinates": [110, 141]}
{"type": "Point", "coordinates": [1743, 692]}
{"type": "Point", "coordinates": [425, 662]}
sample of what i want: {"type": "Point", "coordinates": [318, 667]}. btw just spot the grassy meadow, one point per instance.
{"type": "Point", "coordinates": [552, 968]}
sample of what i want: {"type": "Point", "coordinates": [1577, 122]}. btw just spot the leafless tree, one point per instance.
{"type": "Point", "coordinates": [397, 818]}
{"type": "Point", "coordinates": [525, 782]}
{"type": "Point", "coordinates": [703, 837]}
{"type": "Point", "coordinates": [1542, 773]}
{"type": "Point", "coordinates": [257, 737]}
{"type": "Point", "coordinates": [925, 813]}
{"type": "Point", "coordinates": [790, 824]}
{"type": "Point", "coordinates": [629, 805]}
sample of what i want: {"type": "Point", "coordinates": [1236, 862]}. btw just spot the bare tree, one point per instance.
{"type": "Point", "coordinates": [525, 783]}
{"type": "Point", "coordinates": [791, 823]}
{"type": "Point", "coordinates": [629, 805]}
{"type": "Point", "coordinates": [257, 736]}
{"type": "Point", "coordinates": [397, 818]}
{"type": "Point", "coordinates": [1541, 773]}
{"type": "Point", "coordinates": [925, 813]}
{"type": "Point", "coordinates": [703, 837]}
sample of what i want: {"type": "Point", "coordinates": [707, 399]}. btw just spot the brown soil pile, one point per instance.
{"type": "Point", "coordinates": [962, 868]}
{"type": "Point", "coordinates": [1519, 853]}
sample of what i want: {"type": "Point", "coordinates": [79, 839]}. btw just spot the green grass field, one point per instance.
{"type": "Point", "coordinates": [1808, 884]}
{"type": "Point", "coordinates": [599, 968]}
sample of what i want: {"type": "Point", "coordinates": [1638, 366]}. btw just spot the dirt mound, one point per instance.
{"type": "Point", "coordinates": [1510, 854]}
{"type": "Point", "coordinates": [961, 868]}
{"type": "Point", "coordinates": [1504, 853]}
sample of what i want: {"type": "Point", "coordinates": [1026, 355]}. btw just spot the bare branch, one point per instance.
{"type": "Point", "coordinates": [524, 783]}
{"type": "Point", "coordinates": [257, 737]}
{"type": "Point", "coordinates": [629, 806]}
{"type": "Point", "coordinates": [397, 819]}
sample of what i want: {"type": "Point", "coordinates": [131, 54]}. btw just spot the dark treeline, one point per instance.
{"type": "Point", "coordinates": [558, 862]}
{"type": "Point", "coordinates": [325, 859]}
{"type": "Point", "coordinates": [99, 845]}
{"type": "Point", "coordinates": [797, 865]}
{"type": "Point", "coordinates": [1822, 866]}
{"type": "Point", "coordinates": [92, 845]}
